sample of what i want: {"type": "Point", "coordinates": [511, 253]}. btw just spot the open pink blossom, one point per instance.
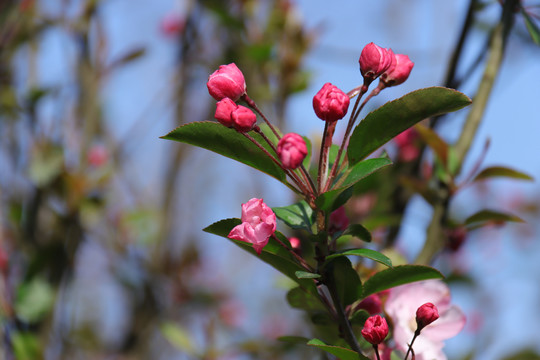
{"type": "Point", "coordinates": [401, 306]}
{"type": "Point", "coordinates": [258, 224]}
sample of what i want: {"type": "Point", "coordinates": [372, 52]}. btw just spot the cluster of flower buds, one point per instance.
{"type": "Point", "coordinates": [376, 61]}
{"type": "Point", "coordinates": [258, 224]}
{"type": "Point", "coordinates": [236, 116]}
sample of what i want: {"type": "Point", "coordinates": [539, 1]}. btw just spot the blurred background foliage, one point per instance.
{"type": "Point", "coordinates": [95, 261]}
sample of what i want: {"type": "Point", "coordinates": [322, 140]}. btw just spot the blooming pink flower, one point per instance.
{"type": "Point", "coordinates": [374, 60]}
{"type": "Point", "coordinates": [399, 70]}
{"type": "Point", "coordinates": [172, 24]}
{"type": "Point", "coordinates": [338, 220]}
{"type": "Point", "coordinates": [425, 315]}
{"type": "Point", "coordinates": [224, 109]}
{"type": "Point", "coordinates": [330, 103]}
{"type": "Point", "coordinates": [258, 224]}
{"type": "Point", "coordinates": [292, 150]}
{"type": "Point", "coordinates": [375, 329]}
{"type": "Point", "coordinates": [227, 81]}
{"type": "Point", "coordinates": [243, 118]}
{"type": "Point", "coordinates": [402, 304]}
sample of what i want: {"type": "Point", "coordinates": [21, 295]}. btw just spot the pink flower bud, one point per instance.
{"type": "Point", "coordinates": [243, 119]}
{"type": "Point", "coordinates": [398, 71]}
{"type": "Point", "coordinates": [372, 304]}
{"type": "Point", "coordinates": [425, 315]}
{"type": "Point", "coordinates": [295, 243]}
{"type": "Point", "coordinates": [338, 220]}
{"type": "Point", "coordinates": [258, 224]}
{"type": "Point", "coordinates": [374, 60]}
{"type": "Point", "coordinates": [172, 24]}
{"type": "Point", "coordinates": [97, 156]}
{"type": "Point", "coordinates": [227, 81]}
{"type": "Point", "coordinates": [330, 103]}
{"type": "Point", "coordinates": [292, 150]}
{"type": "Point", "coordinates": [375, 329]}
{"type": "Point", "coordinates": [407, 145]}
{"type": "Point", "coordinates": [224, 109]}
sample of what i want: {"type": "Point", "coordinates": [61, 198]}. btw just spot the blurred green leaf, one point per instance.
{"type": "Point", "coordinates": [340, 352]}
{"type": "Point", "coordinates": [394, 117]}
{"type": "Point", "coordinates": [306, 275]}
{"type": "Point", "coordinates": [25, 346]}
{"type": "Point", "coordinates": [501, 171]}
{"type": "Point", "coordinates": [298, 298]}
{"type": "Point", "coordinates": [398, 275]}
{"type": "Point", "coordinates": [326, 201]}
{"type": "Point", "coordinates": [359, 317]}
{"type": "Point", "coordinates": [491, 216]}
{"type": "Point", "coordinates": [296, 216]}
{"type": "Point", "coordinates": [359, 231]}
{"type": "Point", "coordinates": [34, 300]}
{"type": "Point", "coordinates": [273, 253]}
{"type": "Point", "coordinates": [178, 336]}
{"type": "Point", "coordinates": [532, 28]}
{"type": "Point", "coordinates": [46, 164]}
{"type": "Point", "coordinates": [346, 279]}
{"type": "Point", "coordinates": [229, 143]}
{"type": "Point", "coordinates": [434, 141]}
{"type": "Point", "coordinates": [367, 253]}
{"type": "Point", "coordinates": [307, 159]}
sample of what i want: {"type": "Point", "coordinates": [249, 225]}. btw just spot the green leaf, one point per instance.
{"type": "Point", "coordinates": [228, 142]}
{"type": "Point", "coordinates": [398, 275]}
{"type": "Point", "coordinates": [346, 279]}
{"type": "Point", "coordinates": [434, 141]}
{"type": "Point", "coordinates": [358, 172]}
{"type": "Point", "coordinates": [501, 171]}
{"type": "Point", "coordinates": [488, 215]}
{"type": "Point", "coordinates": [532, 28]}
{"type": "Point", "coordinates": [34, 300]}
{"type": "Point", "coordinates": [367, 253]}
{"type": "Point", "coordinates": [26, 346]}
{"type": "Point", "coordinates": [296, 216]}
{"type": "Point", "coordinates": [178, 336]}
{"type": "Point", "coordinates": [273, 253]}
{"type": "Point", "coordinates": [359, 231]}
{"type": "Point", "coordinates": [307, 159]}
{"type": "Point", "coordinates": [292, 339]}
{"type": "Point", "coordinates": [394, 117]}
{"type": "Point", "coordinates": [298, 298]}
{"type": "Point", "coordinates": [340, 352]}
{"type": "Point", "coordinates": [306, 275]}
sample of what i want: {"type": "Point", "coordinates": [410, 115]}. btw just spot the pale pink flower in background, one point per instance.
{"type": "Point", "coordinates": [258, 224]}
{"type": "Point", "coordinates": [401, 306]}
